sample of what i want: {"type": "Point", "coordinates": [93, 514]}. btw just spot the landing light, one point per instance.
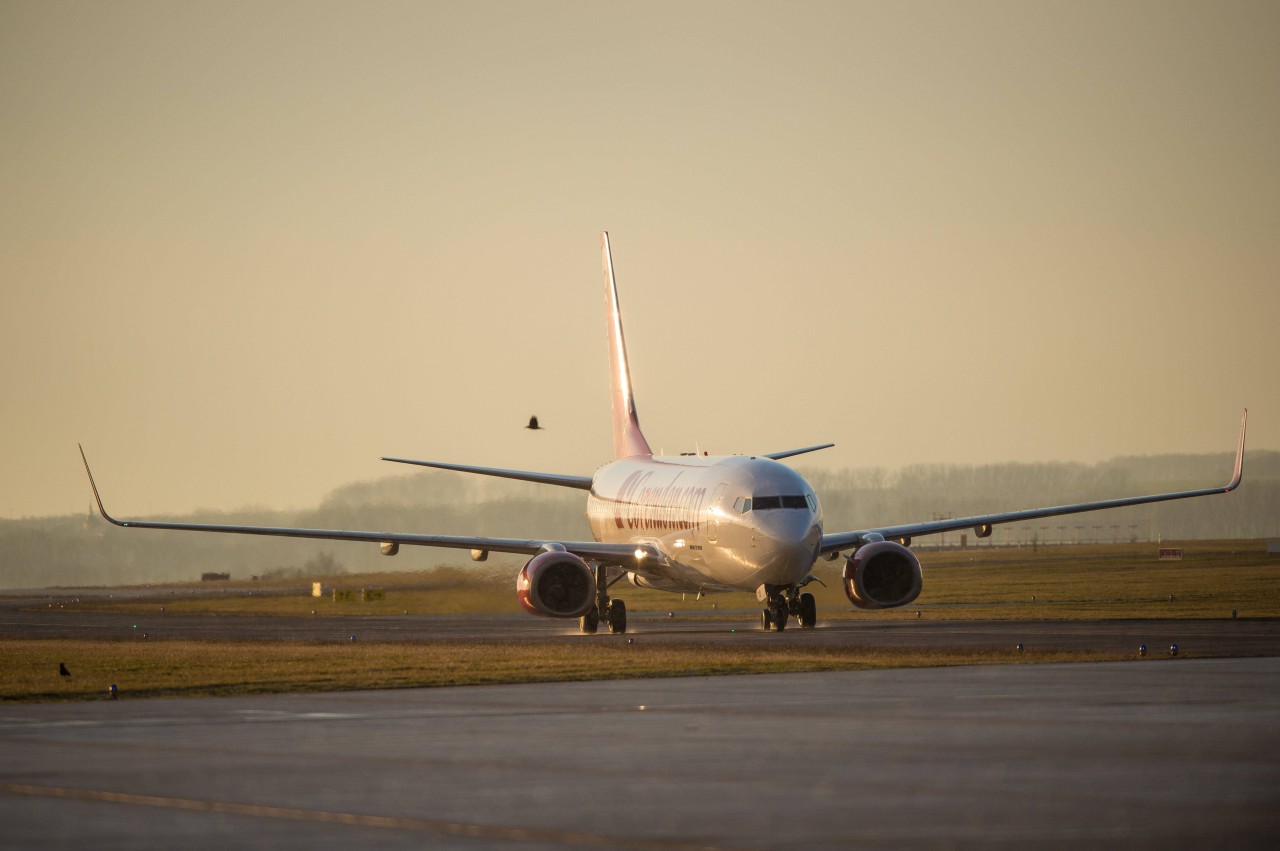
{"type": "Point", "coordinates": [640, 554]}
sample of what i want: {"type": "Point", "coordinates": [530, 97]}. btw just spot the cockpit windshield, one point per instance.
{"type": "Point", "coordinates": [766, 503]}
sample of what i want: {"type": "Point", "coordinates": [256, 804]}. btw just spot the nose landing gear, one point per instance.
{"type": "Point", "coordinates": [807, 611]}
{"type": "Point", "coordinates": [774, 618]}
{"type": "Point", "coordinates": [782, 603]}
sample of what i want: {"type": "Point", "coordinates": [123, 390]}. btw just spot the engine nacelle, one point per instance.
{"type": "Point", "coordinates": [882, 575]}
{"type": "Point", "coordinates": [557, 585]}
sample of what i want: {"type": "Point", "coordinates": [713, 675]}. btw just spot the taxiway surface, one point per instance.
{"type": "Point", "coordinates": [38, 617]}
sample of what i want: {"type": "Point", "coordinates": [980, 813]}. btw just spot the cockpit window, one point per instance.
{"type": "Point", "coordinates": [742, 504]}
{"type": "Point", "coordinates": [763, 503]}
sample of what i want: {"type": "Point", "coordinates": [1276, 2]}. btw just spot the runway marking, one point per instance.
{"type": "Point", "coordinates": [452, 828]}
{"type": "Point", "coordinates": [282, 715]}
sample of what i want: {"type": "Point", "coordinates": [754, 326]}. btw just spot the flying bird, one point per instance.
{"type": "Point", "coordinates": [62, 669]}
{"type": "Point", "coordinates": [533, 424]}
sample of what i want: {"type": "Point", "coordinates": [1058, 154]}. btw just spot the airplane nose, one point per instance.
{"type": "Point", "coordinates": [787, 552]}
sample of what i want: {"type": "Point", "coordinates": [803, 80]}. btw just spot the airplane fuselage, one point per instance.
{"type": "Point", "coordinates": [725, 523]}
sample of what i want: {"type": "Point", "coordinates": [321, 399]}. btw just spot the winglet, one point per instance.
{"type": "Point", "coordinates": [628, 440]}
{"type": "Point", "coordinates": [101, 509]}
{"type": "Point", "coordinates": [1238, 474]}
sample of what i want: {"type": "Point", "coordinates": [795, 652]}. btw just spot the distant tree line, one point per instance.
{"type": "Point", "coordinates": [86, 550]}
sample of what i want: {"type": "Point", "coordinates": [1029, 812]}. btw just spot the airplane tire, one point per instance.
{"type": "Point", "coordinates": [766, 620]}
{"type": "Point", "coordinates": [808, 611]}
{"type": "Point", "coordinates": [780, 618]}
{"type": "Point", "coordinates": [617, 617]}
{"type": "Point", "coordinates": [589, 622]}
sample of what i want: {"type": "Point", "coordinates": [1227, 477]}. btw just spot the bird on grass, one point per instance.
{"type": "Point", "coordinates": [62, 669]}
{"type": "Point", "coordinates": [533, 424]}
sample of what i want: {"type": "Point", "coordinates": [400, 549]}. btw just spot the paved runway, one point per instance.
{"type": "Point", "coordinates": [1156, 754]}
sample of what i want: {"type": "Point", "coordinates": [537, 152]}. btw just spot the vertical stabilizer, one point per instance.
{"type": "Point", "coordinates": [628, 441]}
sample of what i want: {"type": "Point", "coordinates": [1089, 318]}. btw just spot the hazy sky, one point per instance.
{"type": "Point", "coordinates": [248, 248]}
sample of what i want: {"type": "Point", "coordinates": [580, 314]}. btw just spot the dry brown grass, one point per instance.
{"type": "Point", "coordinates": [159, 668]}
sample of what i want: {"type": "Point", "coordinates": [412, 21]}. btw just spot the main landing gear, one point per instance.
{"type": "Point", "coordinates": [611, 612]}
{"type": "Point", "coordinates": [782, 603]}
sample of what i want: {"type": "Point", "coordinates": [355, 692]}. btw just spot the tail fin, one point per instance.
{"type": "Point", "coordinates": [627, 438]}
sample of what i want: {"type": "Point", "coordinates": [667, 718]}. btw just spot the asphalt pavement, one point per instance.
{"type": "Point", "coordinates": [1170, 753]}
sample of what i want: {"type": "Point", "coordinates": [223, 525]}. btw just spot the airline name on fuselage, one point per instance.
{"type": "Point", "coordinates": [642, 503]}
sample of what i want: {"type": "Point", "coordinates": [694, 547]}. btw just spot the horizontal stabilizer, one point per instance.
{"type": "Point", "coordinates": [561, 479]}
{"type": "Point", "coordinates": [778, 456]}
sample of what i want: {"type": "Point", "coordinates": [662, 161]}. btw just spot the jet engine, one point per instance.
{"type": "Point", "coordinates": [557, 585]}
{"type": "Point", "coordinates": [882, 575]}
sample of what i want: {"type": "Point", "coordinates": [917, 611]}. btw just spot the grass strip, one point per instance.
{"type": "Point", "coordinates": [185, 668]}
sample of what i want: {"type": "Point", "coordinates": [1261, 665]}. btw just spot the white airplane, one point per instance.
{"type": "Point", "coordinates": [691, 523]}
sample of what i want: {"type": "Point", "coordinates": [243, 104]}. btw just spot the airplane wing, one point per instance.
{"type": "Point", "coordinates": [981, 524]}
{"type": "Point", "coordinates": [631, 556]}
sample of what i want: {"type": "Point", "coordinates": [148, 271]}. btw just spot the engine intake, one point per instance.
{"type": "Point", "coordinates": [882, 575]}
{"type": "Point", "coordinates": [556, 585]}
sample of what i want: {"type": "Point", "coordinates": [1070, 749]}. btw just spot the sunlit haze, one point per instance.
{"type": "Point", "coordinates": [248, 248]}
